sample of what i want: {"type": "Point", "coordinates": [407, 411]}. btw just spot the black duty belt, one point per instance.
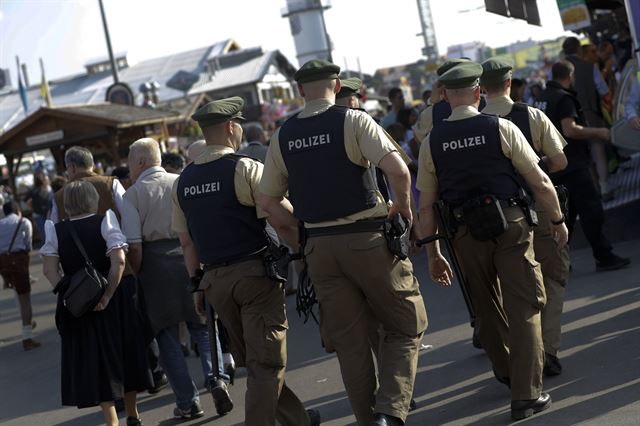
{"type": "Point", "coordinates": [351, 228]}
{"type": "Point", "coordinates": [253, 256]}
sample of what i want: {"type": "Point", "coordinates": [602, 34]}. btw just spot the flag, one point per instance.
{"type": "Point", "coordinates": [45, 92]}
{"type": "Point", "coordinates": [21, 89]}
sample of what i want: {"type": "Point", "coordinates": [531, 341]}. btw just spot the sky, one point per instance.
{"type": "Point", "coordinates": [66, 34]}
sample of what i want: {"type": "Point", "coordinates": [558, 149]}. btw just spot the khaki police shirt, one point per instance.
{"type": "Point", "coordinates": [424, 124]}
{"type": "Point", "coordinates": [514, 146]}
{"type": "Point", "coordinates": [545, 137]}
{"type": "Point", "coordinates": [366, 143]}
{"type": "Point", "coordinates": [247, 178]}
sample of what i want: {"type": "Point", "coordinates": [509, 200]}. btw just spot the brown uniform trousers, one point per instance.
{"type": "Point", "coordinates": [358, 282]}
{"type": "Point", "coordinates": [252, 309]}
{"type": "Point", "coordinates": [511, 336]}
{"type": "Point", "coordinates": [555, 271]}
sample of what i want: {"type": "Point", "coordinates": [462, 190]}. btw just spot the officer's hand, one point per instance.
{"type": "Point", "coordinates": [404, 210]}
{"type": "Point", "coordinates": [198, 302]}
{"type": "Point", "coordinates": [635, 123]}
{"type": "Point", "coordinates": [440, 270]}
{"type": "Point", "coordinates": [560, 234]}
{"type": "Point", "coordinates": [605, 134]}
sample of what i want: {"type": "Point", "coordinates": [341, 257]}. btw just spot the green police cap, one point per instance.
{"type": "Point", "coordinates": [219, 111]}
{"type": "Point", "coordinates": [450, 64]}
{"type": "Point", "coordinates": [317, 69]}
{"type": "Point", "coordinates": [349, 87]}
{"type": "Point", "coordinates": [495, 71]}
{"type": "Point", "coordinates": [462, 75]}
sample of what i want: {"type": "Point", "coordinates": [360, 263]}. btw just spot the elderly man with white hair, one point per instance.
{"type": "Point", "coordinates": [155, 253]}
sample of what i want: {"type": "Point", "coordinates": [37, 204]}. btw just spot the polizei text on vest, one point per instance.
{"type": "Point", "coordinates": [464, 143]}
{"type": "Point", "coordinates": [201, 189]}
{"type": "Point", "coordinates": [308, 142]}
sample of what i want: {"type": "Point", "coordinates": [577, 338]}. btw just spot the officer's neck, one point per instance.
{"type": "Point", "coordinates": [566, 84]}
{"type": "Point", "coordinates": [226, 143]}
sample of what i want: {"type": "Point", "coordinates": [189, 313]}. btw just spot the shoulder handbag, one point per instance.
{"type": "Point", "coordinates": [86, 286]}
{"type": "Point", "coordinates": [11, 262]}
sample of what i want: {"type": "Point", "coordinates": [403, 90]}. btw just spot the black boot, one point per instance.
{"type": "Point", "coordinates": [528, 407]}
{"type": "Point", "coordinates": [380, 419]}
{"type": "Point", "coordinates": [221, 397]}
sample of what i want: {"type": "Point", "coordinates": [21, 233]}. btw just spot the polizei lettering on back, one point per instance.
{"type": "Point", "coordinates": [308, 142]}
{"type": "Point", "coordinates": [201, 189]}
{"type": "Point", "coordinates": [463, 143]}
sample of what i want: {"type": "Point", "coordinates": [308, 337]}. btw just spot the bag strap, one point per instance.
{"type": "Point", "coordinates": [76, 240]}
{"type": "Point", "coordinates": [15, 234]}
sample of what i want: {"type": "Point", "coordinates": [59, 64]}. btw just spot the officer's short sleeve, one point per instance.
{"type": "Point", "coordinates": [274, 180]}
{"type": "Point", "coordinates": [516, 147]}
{"type": "Point", "coordinates": [426, 181]}
{"type": "Point", "coordinates": [424, 124]}
{"type": "Point", "coordinates": [551, 141]}
{"type": "Point", "coordinates": [365, 141]}
{"type": "Point", "coordinates": [178, 221]}
{"type": "Point", "coordinates": [247, 182]}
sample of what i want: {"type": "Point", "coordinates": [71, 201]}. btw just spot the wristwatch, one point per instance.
{"type": "Point", "coordinates": [559, 221]}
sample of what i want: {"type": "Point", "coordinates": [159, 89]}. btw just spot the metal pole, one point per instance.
{"type": "Point", "coordinates": [114, 69]}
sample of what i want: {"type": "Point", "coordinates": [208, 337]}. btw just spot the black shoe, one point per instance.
{"type": "Point", "coordinates": [314, 417]}
{"type": "Point", "coordinates": [476, 338]}
{"type": "Point", "coordinates": [158, 384]}
{"type": "Point", "coordinates": [380, 419]}
{"type": "Point", "coordinates": [528, 407]}
{"type": "Point", "coordinates": [193, 412]}
{"type": "Point", "coordinates": [412, 404]}
{"type": "Point", "coordinates": [134, 421]}
{"type": "Point", "coordinates": [221, 397]}
{"type": "Point", "coordinates": [552, 366]}
{"type": "Point", "coordinates": [612, 263]}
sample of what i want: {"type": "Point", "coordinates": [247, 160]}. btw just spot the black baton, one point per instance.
{"type": "Point", "coordinates": [443, 225]}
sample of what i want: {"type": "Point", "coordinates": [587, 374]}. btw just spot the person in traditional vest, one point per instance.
{"type": "Point", "coordinates": [221, 229]}
{"type": "Point", "coordinates": [434, 114]}
{"type": "Point", "coordinates": [472, 156]}
{"type": "Point", "coordinates": [154, 252]}
{"type": "Point", "coordinates": [79, 166]}
{"type": "Point", "coordinates": [102, 352]}
{"type": "Point", "coordinates": [322, 158]}
{"type": "Point", "coordinates": [548, 144]}
{"type": "Point", "coordinates": [560, 104]}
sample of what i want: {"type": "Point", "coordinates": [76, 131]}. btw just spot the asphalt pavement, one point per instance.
{"type": "Point", "coordinates": [600, 384]}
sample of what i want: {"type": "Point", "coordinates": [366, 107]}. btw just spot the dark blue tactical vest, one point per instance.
{"type": "Point", "coordinates": [324, 184]}
{"type": "Point", "coordinates": [469, 161]}
{"type": "Point", "coordinates": [519, 116]}
{"type": "Point", "coordinates": [577, 151]}
{"type": "Point", "coordinates": [442, 110]}
{"type": "Point", "coordinates": [221, 228]}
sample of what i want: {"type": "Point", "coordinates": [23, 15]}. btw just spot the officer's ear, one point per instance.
{"type": "Point", "coordinates": [444, 95]}
{"type": "Point", "coordinates": [338, 86]}
{"type": "Point", "coordinates": [301, 90]}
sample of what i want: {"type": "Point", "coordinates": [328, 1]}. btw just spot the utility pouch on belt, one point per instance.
{"type": "Point", "coordinates": [276, 262]}
{"type": "Point", "coordinates": [484, 218]}
{"type": "Point", "coordinates": [563, 198]}
{"type": "Point", "coordinates": [397, 233]}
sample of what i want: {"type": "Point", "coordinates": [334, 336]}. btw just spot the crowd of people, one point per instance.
{"type": "Point", "coordinates": [166, 224]}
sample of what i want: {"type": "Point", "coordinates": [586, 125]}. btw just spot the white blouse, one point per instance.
{"type": "Point", "coordinates": [110, 229]}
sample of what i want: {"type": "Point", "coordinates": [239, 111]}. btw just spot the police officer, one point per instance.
{"type": "Point", "coordinates": [434, 114]}
{"type": "Point", "coordinates": [349, 94]}
{"type": "Point", "coordinates": [322, 157]}
{"type": "Point", "coordinates": [220, 227]}
{"type": "Point", "coordinates": [548, 145]}
{"type": "Point", "coordinates": [561, 105]}
{"type": "Point", "coordinates": [470, 162]}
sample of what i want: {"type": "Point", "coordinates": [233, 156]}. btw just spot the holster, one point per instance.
{"type": "Point", "coordinates": [276, 262]}
{"type": "Point", "coordinates": [397, 232]}
{"type": "Point", "coordinates": [484, 217]}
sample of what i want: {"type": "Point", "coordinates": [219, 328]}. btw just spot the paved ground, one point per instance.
{"type": "Point", "coordinates": [454, 385]}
